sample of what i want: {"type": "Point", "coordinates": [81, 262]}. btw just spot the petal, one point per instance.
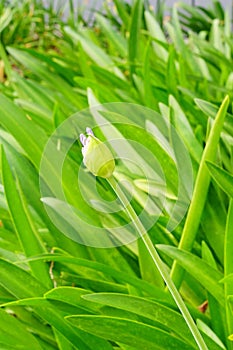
{"type": "Point", "coordinates": [83, 139]}
{"type": "Point", "coordinates": [89, 131]}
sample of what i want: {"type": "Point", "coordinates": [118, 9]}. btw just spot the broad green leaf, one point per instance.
{"type": "Point", "coordinates": [54, 312]}
{"type": "Point", "coordinates": [96, 285]}
{"type": "Point", "coordinates": [146, 308]}
{"type": "Point", "coordinates": [23, 129]}
{"type": "Point", "coordinates": [19, 282]}
{"type": "Point", "coordinates": [27, 233]}
{"type": "Point", "coordinates": [71, 296]}
{"type": "Point", "coordinates": [128, 332]}
{"type": "Point", "coordinates": [14, 334]}
{"type": "Point", "coordinates": [118, 275]}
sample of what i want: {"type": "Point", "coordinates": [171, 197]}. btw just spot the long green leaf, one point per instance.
{"type": "Point", "coordinates": [54, 312]}
{"type": "Point", "coordinates": [128, 332]}
{"type": "Point", "coordinates": [200, 190]}
{"type": "Point", "coordinates": [14, 334]}
{"type": "Point", "coordinates": [228, 253]}
{"type": "Point", "coordinates": [204, 273]}
{"type": "Point", "coordinates": [97, 54]}
{"type": "Point", "coordinates": [146, 308]}
{"type": "Point", "coordinates": [157, 33]}
{"type": "Point", "coordinates": [27, 234]}
{"type": "Point", "coordinates": [223, 178]}
{"type": "Point", "coordinates": [118, 275]}
{"type": "Point", "coordinates": [19, 282]}
{"type": "Point", "coordinates": [134, 39]}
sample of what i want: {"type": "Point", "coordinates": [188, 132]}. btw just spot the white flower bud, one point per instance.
{"type": "Point", "coordinates": [97, 157]}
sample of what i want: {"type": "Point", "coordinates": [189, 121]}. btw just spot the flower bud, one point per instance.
{"type": "Point", "coordinates": [97, 157]}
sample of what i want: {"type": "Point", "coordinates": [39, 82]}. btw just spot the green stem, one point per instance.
{"type": "Point", "coordinates": [159, 263]}
{"type": "Point", "coordinates": [200, 191]}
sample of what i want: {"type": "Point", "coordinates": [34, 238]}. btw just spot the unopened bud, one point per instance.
{"type": "Point", "coordinates": [97, 157]}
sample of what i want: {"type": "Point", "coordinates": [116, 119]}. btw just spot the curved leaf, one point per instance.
{"type": "Point", "coordinates": [199, 269]}
{"type": "Point", "coordinates": [128, 332]}
{"type": "Point", "coordinates": [222, 177]}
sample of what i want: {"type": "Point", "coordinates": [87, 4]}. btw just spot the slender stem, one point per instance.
{"type": "Point", "coordinates": [159, 263]}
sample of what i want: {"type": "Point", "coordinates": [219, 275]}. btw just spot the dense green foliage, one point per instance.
{"type": "Point", "coordinates": [65, 295]}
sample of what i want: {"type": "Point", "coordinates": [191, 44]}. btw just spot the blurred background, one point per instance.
{"type": "Point", "coordinates": [96, 5]}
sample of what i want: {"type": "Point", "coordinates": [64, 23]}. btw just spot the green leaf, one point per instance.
{"type": "Point", "coordinates": [122, 12]}
{"type": "Point", "coordinates": [146, 308]}
{"type": "Point", "coordinates": [216, 35]}
{"type": "Point", "coordinates": [14, 334]}
{"type": "Point", "coordinates": [96, 53]}
{"type": "Point", "coordinates": [228, 266]}
{"type": "Point", "coordinates": [18, 281]}
{"type": "Point", "coordinates": [44, 73]}
{"type": "Point", "coordinates": [23, 129]}
{"type": "Point", "coordinates": [114, 36]}
{"type": "Point", "coordinates": [5, 18]}
{"type": "Point", "coordinates": [71, 296]}
{"type": "Point", "coordinates": [157, 33]}
{"type": "Point", "coordinates": [54, 313]}
{"type": "Point", "coordinates": [128, 332]}
{"type": "Point", "coordinates": [211, 110]}
{"type": "Point", "coordinates": [62, 342]}
{"type": "Point", "coordinates": [27, 234]}
{"type": "Point", "coordinates": [203, 272]}
{"type": "Point", "coordinates": [223, 178]}
{"type": "Point", "coordinates": [200, 189]}
{"type": "Point", "coordinates": [134, 39]}
{"type": "Point", "coordinates": [118, 275]}
{"type": "Point", "coordinates": [148, 270]}
{"type": "Point", "coordinates": [210, 334]}
{"type": "Point", "coordinates": [184, 129]}
{"type": "Point", "coordinates": [217, 313]}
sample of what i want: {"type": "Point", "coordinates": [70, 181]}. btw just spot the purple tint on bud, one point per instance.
{"type": "Point", "coordinates": [89, 131]}
{"type": "Point", "coordinates": [83, 139]}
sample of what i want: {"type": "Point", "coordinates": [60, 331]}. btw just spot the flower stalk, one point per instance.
{"type": "Point", "coordinates": [158, 262]}
{"type": "Point", "coordinates": [100, 162]}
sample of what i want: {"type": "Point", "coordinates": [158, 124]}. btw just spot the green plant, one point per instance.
{"type": "Point", "coordinates": [66, 295]}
